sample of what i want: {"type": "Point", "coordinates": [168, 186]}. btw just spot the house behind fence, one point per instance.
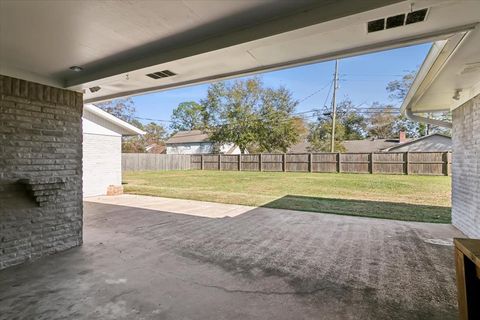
{"type": "Point", "coordinates": [196, 142]}
{"type": "Point", "coordinates": [432, 142]}
{"type": "Point", "coordinates": [419, 163]}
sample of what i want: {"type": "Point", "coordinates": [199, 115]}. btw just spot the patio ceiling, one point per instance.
{"type": "Point", "coordinates": [119, 43]}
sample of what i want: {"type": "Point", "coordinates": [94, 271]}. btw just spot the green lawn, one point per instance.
{"type": "Point", "coordinates": [411, 198]}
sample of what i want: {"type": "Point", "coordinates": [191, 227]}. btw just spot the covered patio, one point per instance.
{"type": "Point", "coordinates": [253, 263]}
{"type": "Point", "coordinates": [130, 263]}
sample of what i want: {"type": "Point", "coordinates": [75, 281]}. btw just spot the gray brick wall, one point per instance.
{"type": "Point", "coordinates": [40, 170]}
{"type": "Point", "coordinates": [466, 168]}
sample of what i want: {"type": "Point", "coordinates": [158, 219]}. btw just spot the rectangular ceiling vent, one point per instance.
{"type": "Point", "coordinates": [398, 20]}
{"type": "Point", "coordinates": [94, 89]}
{"type": "Point", "coordinates": [161, 74]}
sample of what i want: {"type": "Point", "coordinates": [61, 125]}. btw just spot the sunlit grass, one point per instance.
{"type": "Point", "coordinates": [413, 198]}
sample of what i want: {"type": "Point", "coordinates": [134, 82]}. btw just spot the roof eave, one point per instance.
{"type": "Point", "coordinates": [129, 130]}
{"type": "Point", "coordinates": [437, 58]}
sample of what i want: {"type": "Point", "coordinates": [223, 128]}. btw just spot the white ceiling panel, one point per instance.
{"type": "Point", "coordinates": [118, 42]}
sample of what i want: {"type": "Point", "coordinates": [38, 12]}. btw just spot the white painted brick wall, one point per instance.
{"type": "Point", "coordinates": [102, 163]}
{"type": "Point", "coordinates": [466, 168]}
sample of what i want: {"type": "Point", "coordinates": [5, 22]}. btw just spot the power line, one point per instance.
{"type": "Point", "coordinates": [328, 94]}
{"type": "Point", "coordinates": [150, 119]}
{"type": "Point", "coordinates": [371, 75]}
{"type": "Point", "coordinates": [370, 110]}
{"type": "Point", "coordinates": [313, 93]}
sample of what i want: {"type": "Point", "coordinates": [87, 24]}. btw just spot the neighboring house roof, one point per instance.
{"type": "Point", "coordinates": [434, 146]}
{"type": "Point", "coordinates": [193, 136]}
{"type": "Point", "coordinates": [124, 128]}
{"type": "Point", "coordinates": [369, 145]}
{"type": "Point", "coordinates": [385, 145]}
{"type": "Point", "coordinates": [366, 145]}
{"type": "Point", "coordinates": [156, 148]}
{"type": "Point", "coordinates": [301, 147]}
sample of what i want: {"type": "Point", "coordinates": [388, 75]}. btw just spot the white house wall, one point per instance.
{"type": "Point", "coordinates": [200, 147]}
{"type": "Point", "coordinates": [226, 148]}
{"type": "Point", "coordinates": [102, 163]}
{"type": "Point", "coordinates": [189, 148]}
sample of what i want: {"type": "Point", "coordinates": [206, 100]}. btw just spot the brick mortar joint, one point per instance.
{"type": "Point", "coordinates": [28, 92]}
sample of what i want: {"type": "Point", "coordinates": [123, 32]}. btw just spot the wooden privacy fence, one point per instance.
{"type": "Point", "coordinates": [419, 163]}
{"type": "Point", "coordinates": [155, 162]}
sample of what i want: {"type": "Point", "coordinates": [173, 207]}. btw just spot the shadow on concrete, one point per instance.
{"type": "Point", "coordinates": [364, 208]}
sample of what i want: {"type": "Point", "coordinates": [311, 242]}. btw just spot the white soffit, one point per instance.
{"type": "Point", "coordinates": [342, 37]}
{"type": "Point", "coordinates": [41, 39]}
{"type": "Point", "coordinates": [450, 75]}
{"type": "Point", "coordinates": [119, 43]}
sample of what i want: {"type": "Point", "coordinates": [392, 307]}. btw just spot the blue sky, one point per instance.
{"type": "Point", "coordinates": [362, 78]}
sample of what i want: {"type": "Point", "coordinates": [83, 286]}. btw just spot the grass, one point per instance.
{"type": "Point", "coordinates": [410, 198]}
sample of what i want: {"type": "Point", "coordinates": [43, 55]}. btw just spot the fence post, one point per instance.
{"type": "Point", "coordinates": [284, 166]}
{"type": "Point", "coordinates": [309, 162]}
{"type": "Point", "coordinates": [240, 162]}
{"type": "Point", "coordinates": [370, 163]}
{"type": "Point", "coordinates": [339, 162]}
{"type": "Point", "coordinates": [445, 163]}
{"type": "Point", "coordinates": [219, 162]}
{"type": "Point", "coordinates": [449, 162]}
{"type": "Point", "coordinates": [202, 165]}
{"type": "Point", "coordinates": [406, 166]}
{"type": "Point", "coordinates": [260, 166]}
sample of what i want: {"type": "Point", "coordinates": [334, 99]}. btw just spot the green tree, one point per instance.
{"type": "Point", "coordinates": [382, 121]}
{"type": "Point", "coordinates": [277, 129]}
{"type": "Point", "coordinates": [189, 116]}
{"type": "Point", "coordinates": [249, 115]}
{"type": "Point", "coordinates": [320, 132]}
{"type": "Point", "coordinates": [125, 109]}
{"type": "Point", "coordinates": [349, 125]}
{"type": "Point", "coordinates": [133, 145]}
{"type": "Point", "coordinates": [121, 108]}
{"type": "Point", "coordinates": [398, 90]}
{"type": "Point", "coordinates": [354, 123]}
{"type": "Point", "coordinates": [154, 134]}
{"type": "Point", "coordinates": [412, 129]}
{"type": "Point", "coordinates": [319, 137]}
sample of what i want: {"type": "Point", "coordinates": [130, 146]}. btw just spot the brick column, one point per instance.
{"type": "Point", "coordinates": [40, 170]}
{"type": "Point", "coordinates": [466, 168]}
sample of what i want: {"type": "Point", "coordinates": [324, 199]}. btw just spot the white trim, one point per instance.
{"type": "Point", "coordinates": [437, 58]}
{"type": "Point", "coordinates": [101, 134]}
{"type": "Point", "coordinates": [351, 52]}
{"type": "Point", "coordinates": [132, 130]}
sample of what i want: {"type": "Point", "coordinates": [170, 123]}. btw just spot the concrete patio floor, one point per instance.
{"type": "Point", "coordinates": [139, 263]}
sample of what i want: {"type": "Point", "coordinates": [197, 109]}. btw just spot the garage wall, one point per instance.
{"type": "Point", "coordinates": [102, 163]}
{"type": "Point", "coordinates": [40, 170]}
{"type": "Point", "coordinates": [466, 168]}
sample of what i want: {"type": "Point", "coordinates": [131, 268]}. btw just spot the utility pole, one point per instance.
{"type": "Point", "coordinates": [334, 105]}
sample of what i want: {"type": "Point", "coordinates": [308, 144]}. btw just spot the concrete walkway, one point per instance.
{"type": "Point", "coordinates": [190, 207]}
{"type": "Point", "coordinates": [139, 263]}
